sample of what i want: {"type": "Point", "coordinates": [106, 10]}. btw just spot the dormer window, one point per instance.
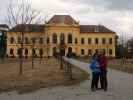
{"type": "Point", "coordinates": [96, 29]}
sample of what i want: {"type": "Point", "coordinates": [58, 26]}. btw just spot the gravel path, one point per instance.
{"type": "Point", "coordinates": [120, 88]}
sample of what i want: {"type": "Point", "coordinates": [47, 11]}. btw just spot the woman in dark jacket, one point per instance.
{"type": "Point", "coordinates": [103, 68]}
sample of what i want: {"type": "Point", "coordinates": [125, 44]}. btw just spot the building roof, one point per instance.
{"type": "Point", "coordinates": [4, 27]}
{"type": "Point", "coordinates": [28, 28]}
{"type": "Point", "coordinates": [66, 19]}
{"type": "Point", "coordinates": [94, 29]}
{"type": "Point", "coordinates": [57, 19]}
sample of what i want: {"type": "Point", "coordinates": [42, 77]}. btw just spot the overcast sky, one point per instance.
{"type": "Point", "coordinates": [114, 14]}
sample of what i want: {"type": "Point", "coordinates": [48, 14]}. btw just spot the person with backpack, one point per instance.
{"type": "Point", "coordinates": [95, 68]}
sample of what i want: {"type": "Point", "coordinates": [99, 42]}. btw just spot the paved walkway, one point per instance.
{"type": "Point", "coordinates": [120, 88]}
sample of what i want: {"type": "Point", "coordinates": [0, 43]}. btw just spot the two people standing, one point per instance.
{"type": "Point", "coordinates": [99, 70]}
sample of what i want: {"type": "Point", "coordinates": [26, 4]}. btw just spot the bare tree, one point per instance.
{"type": "Point", "coordinates": [20, 12]}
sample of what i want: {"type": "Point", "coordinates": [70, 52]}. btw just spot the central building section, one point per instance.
{"type": "Point", "coordinates": [62, 34]}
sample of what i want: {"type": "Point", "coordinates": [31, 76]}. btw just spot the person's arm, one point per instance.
{"type": "Point", "coordinates": [92, 65]}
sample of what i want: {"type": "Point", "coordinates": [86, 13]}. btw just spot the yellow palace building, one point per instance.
{"type": "Point", "coordinates": [83, 40]}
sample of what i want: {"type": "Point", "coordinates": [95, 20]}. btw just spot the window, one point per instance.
{"type": "Point", "coordinates": [26, 40]}
{"type": "Point", "coordinates": [110, 52]}
{"type": "Point", "coordinates": [110, 41]}
{"type": "Point", "coordinates": [76, 40]}
{"type": "Point", "coordinates": [96, 40]}
{"type": "Point", "coordinates": [82, 52]}
{"type": "Point", "coordinates": [41, 40]}
{"type": "Point", "coordinates": [89, 52]}
{"type": "Point", "coordinates": [89, 40]}
{"type": "Point", "coordinates": [41, 52]}
{"type": "Point", "coordinates": [104, 51]}
{"type": "Point", "coordinates": [103, 41]}
{"type": "Point", "coordinates": [19, 51]}
{"type": "Point", "coordinates": [26, 51]}
{"type": "Point", "coordinates": [96, 29]}
{"type": "Point", "coordinates": [82, 40]}
{"type": "Point", "coordinates": [19, 40]}
{"type": "Point", "coordinates": [11, 51]}
{"type": "Point", "coordinates": [54, 51]}
{"type": "Point", "coordinates": [12, 40]}
{"type": "Point", "coordinates": [48, 40]}
{"type": "Point", "coordinates": [70, 50]}
{"type": "Point", "coordinates": [33, 40]}
{"type": "Point", "coordinates": [96, 50]}
{"type": "Point", "coordinates": [69, 38]}
{"type": "Point", "coordinates": [54, 38]}
{"type": "Point", "coordinates": [33, 52]}
{"type": "Point", "coordinates": [62, 38]}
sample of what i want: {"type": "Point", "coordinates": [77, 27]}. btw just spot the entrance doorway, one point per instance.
{"type": "Point", "coordinates": [70, 50]}
{"type": "Point", "coordinates": [54, 51]}
{"type": "Point", "coordinates": [62, 51]}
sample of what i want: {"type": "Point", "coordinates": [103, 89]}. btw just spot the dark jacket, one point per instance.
{"type": "Point", "coordinates": [103, 63]}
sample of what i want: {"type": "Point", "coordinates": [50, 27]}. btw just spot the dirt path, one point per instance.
{"type": "Point", "coordinates": [120, 88]}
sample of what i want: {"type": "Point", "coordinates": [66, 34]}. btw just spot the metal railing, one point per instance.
{"type": "Point", "coordinates": [66, 66]}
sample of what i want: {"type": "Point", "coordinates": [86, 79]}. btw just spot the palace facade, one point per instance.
{"type": "Point", "coordinates": [46, 40]}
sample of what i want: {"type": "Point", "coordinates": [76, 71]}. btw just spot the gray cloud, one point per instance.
{"type": "Point", "coordinates": [119, 4]}
{"type": "Point", "coordinates": [114, 14]}
{"type": "Point", "coordinates": [106, 4]}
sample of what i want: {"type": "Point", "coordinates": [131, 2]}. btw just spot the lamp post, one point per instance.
{"type": "Point", "coordinates": [62, 44]}
{"type": "Point", "coordinates": [107, 50]}
{"type": "Point", "coordinates": [61, 55]}
{"type": "Point", "coordinates": [33, 52]}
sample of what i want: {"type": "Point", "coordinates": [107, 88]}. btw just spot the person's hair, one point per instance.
{"type": "Point", "coordinates": [94, 55]}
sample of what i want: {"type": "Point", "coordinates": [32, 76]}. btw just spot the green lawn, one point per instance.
{"type": "Point", "coordinates": [126, 66]}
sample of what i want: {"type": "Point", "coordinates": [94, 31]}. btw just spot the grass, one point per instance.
{"type": "Point", "coordinates": [121, 66]}
{"type": "Point", "coordinates": [46, 74]}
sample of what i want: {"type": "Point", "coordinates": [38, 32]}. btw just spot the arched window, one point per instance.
{"type": "Point", "coordinates": [12, 40]}
{"type": "Point", "coordinates": [41, 52]}
{"type": "Point", "coordinates": [62, 38]}
{"type": "Point", "coordinates": [11, 51]}
{"type": "Point", "coordinates": [26, 51]}
{"type": "Point", "coordinates": [54, 37]}
{"type": "Point", "coordinates": [69, 38]}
